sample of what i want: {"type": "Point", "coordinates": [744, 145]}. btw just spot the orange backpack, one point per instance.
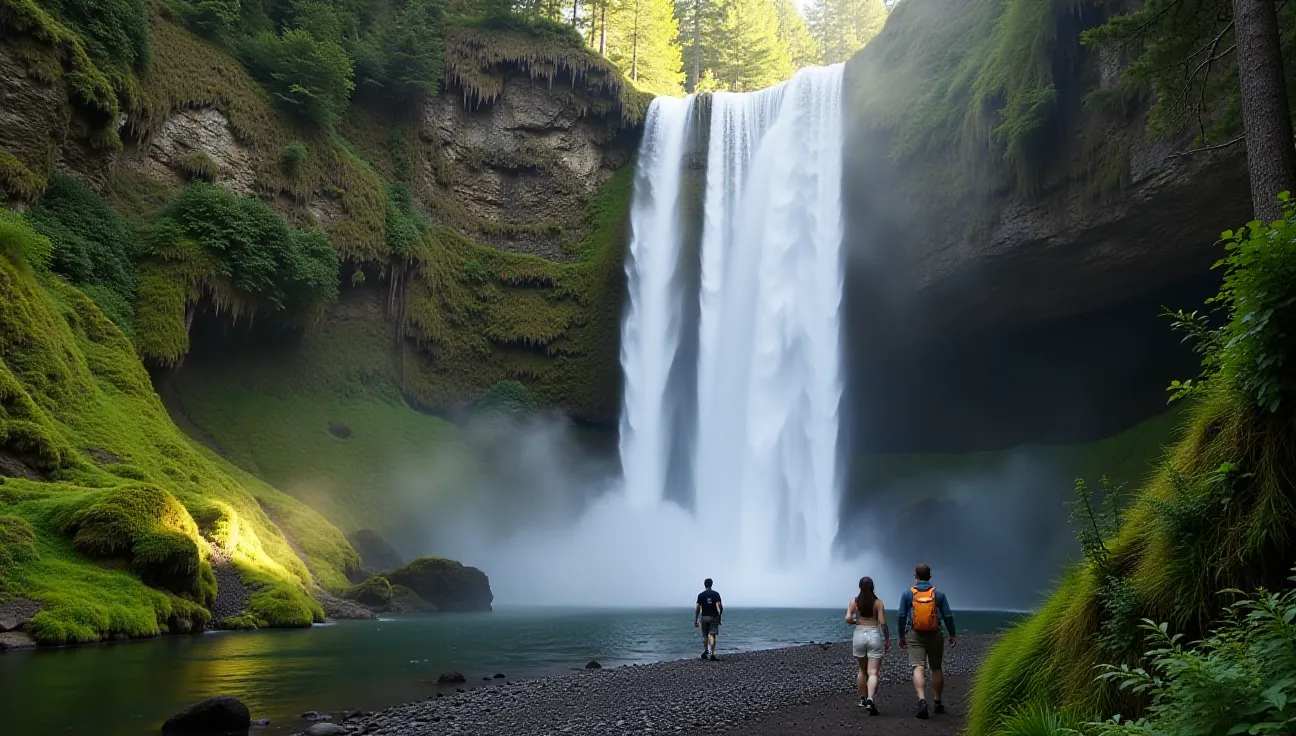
{"type": "Point", "coordinates": [925, 615]}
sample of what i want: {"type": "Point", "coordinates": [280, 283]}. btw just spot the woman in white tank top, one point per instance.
{"type": "Point", "coordinates": [871, 641]}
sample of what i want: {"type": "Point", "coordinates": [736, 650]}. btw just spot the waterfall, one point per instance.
{"type": "Point", "coordinates": [766, 387]}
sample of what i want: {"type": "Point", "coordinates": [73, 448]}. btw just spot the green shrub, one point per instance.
{"type": "Point", "coordinates": [1239, 680]}
{"type": "Point", "coordinates": [113, 31]}
{"type": "Point", "coordinates": [1258, 299]}
{"type": "Point", "coordinates": [311, 77]}
{"type": "Point", "coordinates": [18, 544]}
{"type": "Point", "coordinates": [294, 157]}
{"type": "Point", "coordinates": [401, 61]}
{"type": "Point", "coordinates": [1038, 719]}
{"type": "Point", "coordinates": [198, 166]}
{"type": "Point", "coordinates": [210, 18]}
{"type": "Point", "coordinates": [93, 245]}
{"type": "Point", "coordinates": [405, 227]}
{"type": "Point", "coordinates": [376, 591]}
{"type": "Point", "coordinates": [249, 244]}
{"type": "Point", "coordinates": [510, 397]}
{"type": "Point", "coordinates": [21, 245]}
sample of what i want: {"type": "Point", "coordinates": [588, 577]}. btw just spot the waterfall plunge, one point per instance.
{"type": "Point", "coordinates": [767, 383]}
{"type": "Point", "coordinates": [731, 354]}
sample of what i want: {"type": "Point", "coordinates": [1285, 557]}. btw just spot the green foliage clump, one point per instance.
{"type": "Point", "coordinates": [243, 622]}
{"type": "Point", "coordinates": [446, 584]}
{"type": "Point", "coordinates": [312, 78]}
{"type": "Point", "coordinates": [249, 246]}
{"type": "Point", "coordinates": [1250, 350]}
{"type": "Point", "coordinates": [115, 32]}
{"type": "Point", "coordinates": [209, 18]}
{"type": "Point", "coordinates": [294, 157]}
{"type": "Point", "coordinates": [149, 527]}
{"type": "Point", "coordinates": [198, 166]}
{"type": "Point", "coordinates": [509, 397]}
{"type": "Point", "coordinates": [17, 544]}
{"type": "Point", "coordinates": [400, 61]}
{"type": "Point", "coordinates": [20, 244]}
{"type": "Point", "coordinates": [376, 591]}
{"type": "Point", "coordinates": [17, 180]}
{"type": "Point", "coordinates": [94, 247]}
{"type": "Point", "coordinates": [1240, 679]}
{"type": "Point", "coordinates": [405, 227]}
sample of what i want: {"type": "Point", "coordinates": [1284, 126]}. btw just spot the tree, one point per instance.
{"type": "Point", "coordinates": [794, 34]}
{"type": "Point", "coordinates": [696, 20]}
{"type": "Point", "coordinates": [842, 27]}
{"type": "Point", "coordinates": [643, 41]}
{"type": "Point", "coordinates": [749, 55]}
{"type": "Point", "coordinates": [1216, 67]}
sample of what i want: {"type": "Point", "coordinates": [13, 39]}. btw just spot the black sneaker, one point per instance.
{"type": "Point", "coordinates": [922, 710]}
{"type": "Point", "coordinates": [863, 702]}
{"type": "Point", "coordinates": [938, 709]}
{"type": "Point", "coordinates": [872, 707]}
{"type": "Point", "coordinates": [704, 654]}
{"type": "Point", "coordinates": [713, 657]}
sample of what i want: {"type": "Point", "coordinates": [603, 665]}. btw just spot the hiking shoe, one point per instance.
{"type": "Point", "coordinates": [713, 657]}
{"type": "Point", "coordinates": [704, 654]}
{"type": "Point", "coordinates": [922, 710]}
{"type": "Point", "coordinates": [872, 707]}
{"type": "Point", "coordinates": [938, 709]}
{"type": "Point", "coordinates": [863, 702]}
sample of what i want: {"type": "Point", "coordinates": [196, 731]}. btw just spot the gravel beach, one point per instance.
{"type": "Point", "coordinates": [796, 690]}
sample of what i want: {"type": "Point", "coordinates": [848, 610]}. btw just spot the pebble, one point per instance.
{"type": "Point", "coordinates": [664, 698]}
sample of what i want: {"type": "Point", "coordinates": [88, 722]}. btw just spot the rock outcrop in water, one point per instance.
{"type": "Point", "coordinates": [445, 584]}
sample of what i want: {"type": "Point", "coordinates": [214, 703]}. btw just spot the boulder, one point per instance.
{"type": "Point", "coordinates": [15, 613]}
{"type": "Point", "coordinates": [451, 678]}
{"type": "Point", "coordinates": [376, 592]}
{"type": "Point", "coordinates": [325, 729]}
{"type": "Point", "coordinates": [446, 584]}
{"type": "Point", "coordinates": [16, 640]}
{"type": "Point", "coordinates": [220, 714]}
{"type": "Point", "coordinates": [593, 665]}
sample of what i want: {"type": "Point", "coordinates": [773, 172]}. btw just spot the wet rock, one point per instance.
{"type": "Point", "coordinates": [593, 665]}
{"type": "Point", "coordinates": [312, 715]}
{"type": "Point", "coordinates": [452, 677]}
{"type": "Point", "coordinates": [214, 715]}
{"type": "Point", "coordinates": [499, 675]}
{"type": "Point", "coordinates": [325, 729]}
{"type": "Point", "coordinates": [15, 613]}
{"type": "Point", "coordinates": [16, 640]}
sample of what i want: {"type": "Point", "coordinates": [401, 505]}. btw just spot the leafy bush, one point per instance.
{"type": "Point", "coordinates": [294, 157]}
{"type": "Point", "coordinates": [401, 61]}
{"type": "Point", "coordinates": [22, 245]}
{"type": "Point", "coordinates": [1248, 351]}
{"type": "Point", "coordinates": [510, 397]}
{"type": "Point", "coordinates": [114, 31]}
{"type": "Point", "coordinates": [312, 78]}
{"type": "Point", "coordinates": [250, 245]}
{"type": "Point", "coordinates": [405, 227]}
{"type": "Point", "coordinates": [210, 18]}
{"type": "Point", "coordinates": [1239, 680]}
{"type": "Point", "coordinates": [1037, 719]}
{"type": "Point", "coordinates": [94, 247]}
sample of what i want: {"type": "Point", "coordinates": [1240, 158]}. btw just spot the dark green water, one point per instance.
{"type": "Point", "coordinates": [128, 689]}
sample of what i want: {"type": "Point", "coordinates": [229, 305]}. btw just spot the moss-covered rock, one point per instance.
{"type": "Point", "coordinates": [404, 600]}
{"type": "Point", "coordinates": [375, 592]}
{"type": "Point", "coordinates": [446, 584]}
{"type": "Point", "coordinates": [17, 543]}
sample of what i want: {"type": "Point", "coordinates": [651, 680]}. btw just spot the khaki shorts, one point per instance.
{"type": "Point", "coordinates": [925, 648]}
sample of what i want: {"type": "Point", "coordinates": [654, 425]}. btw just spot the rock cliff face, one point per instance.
{"type": "Point", "coordinates": [1020, 313]}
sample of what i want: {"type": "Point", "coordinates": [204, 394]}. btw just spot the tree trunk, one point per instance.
{"type": "Point", "coordinates": [603, 29]}
{"type": "Point", "coordinates": [575, 13]}
{"type": "Point", "coordinates": [1266, 117]}
{"type": "Point", "coordinates": [697, 46]}
{"type": "Point", "coordinates": [634, 46]}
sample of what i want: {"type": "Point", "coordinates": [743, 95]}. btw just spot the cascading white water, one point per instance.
{"type": "Point", "coordinates": [650, 334]}
{"type": "Point", "coordinates": [768, 386]}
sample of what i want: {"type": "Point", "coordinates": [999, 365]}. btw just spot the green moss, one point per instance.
{"type": "Point", "coordinates": [198, 166]}
{"type": "Point", "coordinates": [245, 622]}
{"type": "Point", "coordinates": [487, 316]}
{"type": "Point", "coordinates": [18, 181]}
{"type": "Point", "coordinates": [18, 544]}
{"type": "Point", "coordinates": [446, 584]}
{"type": "Point", "coordinates": [376, 591]}
{"type": "Point", "coordinates": [161, 328]}
{"type": "Point", "coordinates": [70, 382]}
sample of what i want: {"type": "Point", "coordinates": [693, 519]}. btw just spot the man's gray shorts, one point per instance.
{"type": "Point", "coordinates": [710, 626]}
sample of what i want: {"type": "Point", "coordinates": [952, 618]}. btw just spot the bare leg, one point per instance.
{"type": "Point", "coordinates": [714, 638]}
{"type": "Point", "coordinates": [861, 676]}
{"type": "Point", "coordinates": [920, 682]}
{"type": "Point", "coordinates": [938, 684]}
{"type": "Point", "coordinates": [873, 666]}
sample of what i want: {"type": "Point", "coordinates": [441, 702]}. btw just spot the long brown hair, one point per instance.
{"type": "Point", "coordinates": [866, 598]}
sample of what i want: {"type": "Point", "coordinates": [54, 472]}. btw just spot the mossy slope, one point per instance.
{"type": "Point", "coordinates": [1217, 514]}
{"type": "Point", "coordinates": [109, 477]}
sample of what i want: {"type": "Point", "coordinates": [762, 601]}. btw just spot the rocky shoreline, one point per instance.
{"type": "Point", "coordinates": [683, 696]}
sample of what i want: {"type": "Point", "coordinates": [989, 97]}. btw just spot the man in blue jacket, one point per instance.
{"type": "Point", "coordinates": [922, 608]}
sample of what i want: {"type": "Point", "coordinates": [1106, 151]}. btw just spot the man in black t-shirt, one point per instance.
{"type": "Point", "coordinates": [707, 616]}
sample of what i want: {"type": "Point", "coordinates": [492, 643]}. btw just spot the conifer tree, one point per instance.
{"type": "Point", "coordinates": [842, 27]}
{"type": "Point", "coordinates": [643, 41]}
{"type": "Point", "coordinates": [795, 36]}
{"type": "Point", "coordinates": [749, 53]}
